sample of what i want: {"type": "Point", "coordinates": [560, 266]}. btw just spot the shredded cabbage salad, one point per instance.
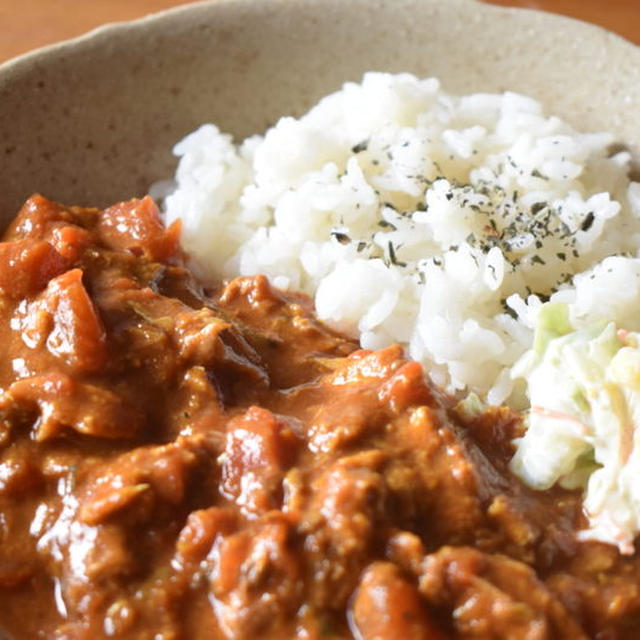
{"type": "Point", "coordinates": [583, 427]}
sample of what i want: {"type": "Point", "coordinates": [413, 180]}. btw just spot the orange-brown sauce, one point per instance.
{"type": "Point", "coordinates": [177, 462]}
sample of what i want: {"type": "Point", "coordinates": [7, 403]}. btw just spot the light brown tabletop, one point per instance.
{"type": "Point", "coordinates": [28, 24]}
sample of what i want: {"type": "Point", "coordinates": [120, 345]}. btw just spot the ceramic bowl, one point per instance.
{"type": "Point", "coordinates": [93, 120]}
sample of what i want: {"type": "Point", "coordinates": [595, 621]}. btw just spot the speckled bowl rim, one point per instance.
{"type": "Point", "coordinates": [90, 154]}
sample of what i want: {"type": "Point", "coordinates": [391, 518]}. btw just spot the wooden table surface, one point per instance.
{"type": "Point", "coordinates": [27, 24]}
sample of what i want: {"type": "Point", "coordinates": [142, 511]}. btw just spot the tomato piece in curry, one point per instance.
{"type": "Point", "coordinates": [184, 462]}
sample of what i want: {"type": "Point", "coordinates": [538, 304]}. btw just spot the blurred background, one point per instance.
{"type": "Point", "coordinates": [27, 24]}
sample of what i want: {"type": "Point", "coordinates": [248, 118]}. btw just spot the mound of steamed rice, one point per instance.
{"type": "Point", "coordinates": [414, 216]}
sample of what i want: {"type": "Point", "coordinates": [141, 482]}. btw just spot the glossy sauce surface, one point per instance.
{"type": "Point", "coordinates": [178, 462]}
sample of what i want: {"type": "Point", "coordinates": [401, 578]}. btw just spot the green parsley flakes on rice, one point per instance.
{"type": "Point", "coordinates": [440, 222]}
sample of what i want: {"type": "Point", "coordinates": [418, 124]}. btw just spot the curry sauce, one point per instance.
{"type": "Point", "coordinates": [179, 462]}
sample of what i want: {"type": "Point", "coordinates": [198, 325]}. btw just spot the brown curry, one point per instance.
{"type": "Point", "coordinates": [185, 463]}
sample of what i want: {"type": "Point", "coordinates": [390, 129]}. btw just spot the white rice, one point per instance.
{"type": "Point", "coordinates": [414, 216]}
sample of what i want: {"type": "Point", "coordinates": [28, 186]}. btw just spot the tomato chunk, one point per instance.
{"type": "Point", "coordinates": [26, 266]}
{"type": "Point", "coordinates": [36, 216]}
{"type": "Point", "coordinates": [200, 531]}
{"type": "Point", "coordinates": [256, 583]}
{"type": "Point", "coordinates": [77, 335]}
{"type": "Point", "coordinates": [70, 241]}
{"type": "Point", "coordinates": [406, 387]}
{"type": "Point", "coordinates": [136, 226]}
{"type": "Point", "coordinates": [258, 449]}
{"type": "Point", "coordinates": [389, 607]}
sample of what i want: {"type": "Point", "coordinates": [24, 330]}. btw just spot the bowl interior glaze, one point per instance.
{"type": "Point", "coordinates": [93, 120]}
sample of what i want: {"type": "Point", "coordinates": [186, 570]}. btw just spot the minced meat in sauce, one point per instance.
{"type": "Point", "coordinates": [185, 463]}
